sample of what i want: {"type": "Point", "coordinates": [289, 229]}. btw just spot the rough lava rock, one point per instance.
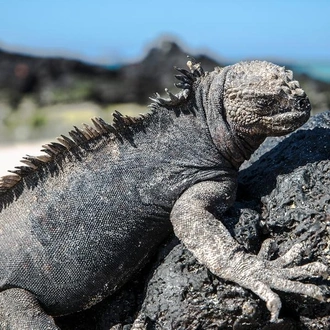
{"type": "Point", "coordinates": [284, 198]}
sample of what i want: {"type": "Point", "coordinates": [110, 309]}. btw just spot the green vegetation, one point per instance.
{"type": "Point", "coordinates": [79, 90]}
{"type": "Point", "coordinates": [30, 122]}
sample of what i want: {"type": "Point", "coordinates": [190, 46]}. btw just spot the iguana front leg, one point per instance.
{"type": "Point", "coordinates": [211, 243]}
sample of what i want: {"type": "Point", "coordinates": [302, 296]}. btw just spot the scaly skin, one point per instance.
{"type": "Point", "coordinates": [77, 224]}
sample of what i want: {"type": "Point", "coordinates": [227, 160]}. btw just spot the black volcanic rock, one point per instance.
{"type": "Point", "coordinates": [45, 77]}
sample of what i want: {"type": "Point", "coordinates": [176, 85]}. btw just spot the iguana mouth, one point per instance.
{"type": "Point", "coordinates": [289, 118]}
{"type": "Point", "coordinates": [287, 121]}
{"type": "Point", "coordinates": [302, 104]}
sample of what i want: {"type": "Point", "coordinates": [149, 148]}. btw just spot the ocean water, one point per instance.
{"type": "Point", "coordinates": [317, 70]}
{"type": "Point", "coordinates": [314, 69]}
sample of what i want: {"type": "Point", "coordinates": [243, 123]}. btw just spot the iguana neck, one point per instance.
{"type": "Point", "coordinates": [233, 145]}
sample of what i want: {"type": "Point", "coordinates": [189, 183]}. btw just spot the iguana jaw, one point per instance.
{"type": "Point", "coordinates": [285, 123]}
{"type": "Point", "coordinates": [287, 119]}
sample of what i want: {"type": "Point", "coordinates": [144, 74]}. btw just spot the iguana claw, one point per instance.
{"type": "Point", "coordinates": [261, 276]}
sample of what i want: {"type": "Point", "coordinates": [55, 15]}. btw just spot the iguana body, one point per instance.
{"type": "Point", "coordinates": [76, 225]}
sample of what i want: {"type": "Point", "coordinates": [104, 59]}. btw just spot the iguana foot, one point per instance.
{"type": "Point", "coordinates": [140, 322]}
{"type": "Point", "coordinates": [19, 309]}
{"type": "Point", "coordinates": [261, 276]}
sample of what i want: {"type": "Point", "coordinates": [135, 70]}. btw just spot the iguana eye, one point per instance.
{"type": "Point", "coordinates": [265, 102]}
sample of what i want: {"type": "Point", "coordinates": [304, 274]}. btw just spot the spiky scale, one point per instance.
{"type": "Point", "coordinates": [29, 163]}
{"type": "Point", "coordinates": [59, 147]}
{"type": "Point", "coordinates": [97, 125]}
{"type": "Point", "coordinates": [289, 74]}
{"type": "Point", "coordinates": [158, 100]}
{"type": "Point", "coordinates": [182, 85]}
{"type": "Point", "coordinates": [9, 180]}
{"type": "Point", "coordinates": [84, 135]}
{"type": "Point", "coordinates": [195, 67]}
{"type": "Point", "coordinates": [21, 170]}
{"type": "Point", "coordinates": [186, 73]}
{"type": "Point", "coordinates": [77, 135]}
{"type": "Point", "coordinates": [118, 116]}
{"type": "Point", "coordinates": [119, 120]}
{"type": "Point", "coordinates": [130, 120]}
{"type": "Point", "coordinates": [102, 126]}
{"type": "Point", "coordinates": [172, 96]}
{"type": "Point", "coordinates": [50, 150]}
{"type": "Point", "coordinates": [67, 142]}
{"type": "Point", "coordinates": [36, 161]}
{"type": "Point", "coordinates": [183, 78]}
{"type": "Point", "coordinates": [90, 131]}
{"type": "Point", "coordinates": [43, 158]}
{"type": "Point", "coordinates": [15, 171]}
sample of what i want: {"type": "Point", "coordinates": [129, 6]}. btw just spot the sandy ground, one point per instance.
{"type": "Point", "coordinates": [11, 154]}
{"type": "Point", "coordinates": [59, 119]}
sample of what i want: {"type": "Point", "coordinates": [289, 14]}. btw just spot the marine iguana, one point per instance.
{"type": "Point", "coordinates": [81, 220]}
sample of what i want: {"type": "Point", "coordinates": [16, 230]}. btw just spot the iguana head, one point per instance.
{"type": "Point", "coordinates": [243, 104]}
{"type": "Point", "coordinates": [261, 98]}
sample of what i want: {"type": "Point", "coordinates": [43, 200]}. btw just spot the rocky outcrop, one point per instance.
{"type": "Point", "coordinates": [48, 80]}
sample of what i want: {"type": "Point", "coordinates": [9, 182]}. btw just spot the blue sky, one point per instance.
{"type": "Point", "coordinates": [112, 31]}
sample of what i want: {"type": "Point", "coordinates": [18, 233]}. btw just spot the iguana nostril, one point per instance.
{"type": "Point", "coordinates": [302, 103]}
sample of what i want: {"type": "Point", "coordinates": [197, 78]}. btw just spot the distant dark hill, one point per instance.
{"type": "Point", "coordinates": [54, 80]}
{"type": "Point", "coordinates": [49, 80]}
{"type": "Point", "coordinates": [156, 71]}
{"type": "Point", "coordinates": [59, 80]}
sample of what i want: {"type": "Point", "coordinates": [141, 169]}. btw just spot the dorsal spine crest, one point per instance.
{"type": "Point", "coordinates": [65, 145]}
{"type": "Point", "coordinates": [186, 82]}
